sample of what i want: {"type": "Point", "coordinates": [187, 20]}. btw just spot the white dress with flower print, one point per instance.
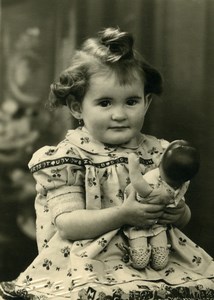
{"type": "Point", "coordinates": [80, 173]}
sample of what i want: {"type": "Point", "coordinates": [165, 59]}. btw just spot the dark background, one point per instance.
{"type": "Point", "coordinates": [37, 40]}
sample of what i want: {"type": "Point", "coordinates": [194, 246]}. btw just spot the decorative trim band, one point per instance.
{"type": "Point", "coordinates": [84, 162]}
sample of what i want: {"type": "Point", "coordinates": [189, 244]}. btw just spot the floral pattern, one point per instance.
{"type": "Point", "coordinates": [70, 176]}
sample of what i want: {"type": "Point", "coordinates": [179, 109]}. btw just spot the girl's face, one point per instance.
{"type": "Point", "coordinates": [114, 113]}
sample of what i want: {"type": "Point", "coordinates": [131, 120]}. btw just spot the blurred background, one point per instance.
{"type": "Point", "coordinates": [37, 40]}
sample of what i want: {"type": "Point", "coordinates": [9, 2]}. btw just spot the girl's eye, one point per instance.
{"type": "Point", "coordinates": [132, 101]}
{"type": "Point", "coordinates": [105, 103]}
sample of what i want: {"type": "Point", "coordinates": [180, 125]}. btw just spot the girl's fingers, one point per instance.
{"type": "Point", "coordinates": [152, 222]}
{"type": "Point", "coordinates": [163, 221]}
{"type": "Point", "coordinates": [173, 211]}
{"type": "Point", "coordinates": [154, 208]}
{"type": "Point", "coordinates": [168, 218]}
{"type": "Point", "coordinates": [152, 215]}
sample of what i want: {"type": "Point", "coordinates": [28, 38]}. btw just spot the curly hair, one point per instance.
{"type": "Point", "coordinates": [111, 50]}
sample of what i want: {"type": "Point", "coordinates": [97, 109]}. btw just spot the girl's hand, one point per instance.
{"type": "Point", "coordinates": [140, 214]}
{"type": "Point", "coordinates": [178, 216]}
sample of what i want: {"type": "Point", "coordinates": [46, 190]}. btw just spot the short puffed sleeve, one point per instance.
{"type": "Point", "coordinates": [59, 175]}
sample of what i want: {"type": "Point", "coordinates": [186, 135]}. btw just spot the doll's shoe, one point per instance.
{"type": "Point", "coordinates": [160, 257]}
{"type": "Point", "coordinates": [140, 257]}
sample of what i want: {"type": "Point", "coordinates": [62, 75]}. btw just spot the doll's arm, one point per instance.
{"type": "Point", "coordinates": [141, 186]}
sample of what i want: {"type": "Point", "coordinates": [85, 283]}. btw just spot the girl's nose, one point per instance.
{"type": "Point", "coordinates": [118, 114]}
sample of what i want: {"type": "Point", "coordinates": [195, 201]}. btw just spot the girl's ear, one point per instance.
{"type": "Point", "coordinates": [75, 107]}
{"type": "Point", "coordinates": [148, 100]}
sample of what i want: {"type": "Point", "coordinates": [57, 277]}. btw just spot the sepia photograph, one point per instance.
{"type": "Point", "coordinates": [106, 182]}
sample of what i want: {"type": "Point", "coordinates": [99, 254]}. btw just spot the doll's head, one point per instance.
{"type": "Point", "coordinates": [180, 162]}
{"type": "Point", "coordinates": [110, 52]}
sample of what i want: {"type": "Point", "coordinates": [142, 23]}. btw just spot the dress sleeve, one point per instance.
{"type": "Point", "coordinates": [59, 175]}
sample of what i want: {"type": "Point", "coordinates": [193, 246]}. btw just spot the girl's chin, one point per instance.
{"type": "Point", "coordinates": [121, 142]}
{"type": "Point", "coordinates": [118, 139]}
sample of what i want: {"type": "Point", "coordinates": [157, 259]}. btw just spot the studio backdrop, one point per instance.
{"type": "Point", "coordinates": [37, 41]}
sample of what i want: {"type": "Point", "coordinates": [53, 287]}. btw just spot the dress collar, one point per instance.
{"type": "Point", "coordinates": [81, 138]}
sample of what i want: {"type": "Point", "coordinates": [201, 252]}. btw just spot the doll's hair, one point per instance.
{"type": "Point", "coordinates": [111, 51]}
{"type": "Point", "coordinates": [180, 161]}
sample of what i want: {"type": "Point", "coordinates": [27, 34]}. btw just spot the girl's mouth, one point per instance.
{"type": "Point", "coordinates": [118, 127]}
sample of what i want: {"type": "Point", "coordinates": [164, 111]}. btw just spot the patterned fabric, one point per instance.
{"type": "Point", "coordinates": [126, 291]}
{"type": "Point", "coordinates": [81, 173]}
{"type": "Point", "coordinates": [156, 182]}
{"type": "Point", "coordinates": [159, 187]}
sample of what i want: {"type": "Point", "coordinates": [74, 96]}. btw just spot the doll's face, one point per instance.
{"type": "Point", "coordinates": [114, 113]}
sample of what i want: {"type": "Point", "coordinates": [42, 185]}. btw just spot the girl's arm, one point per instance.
{"type": "Point", "coordinates": [88, 224]}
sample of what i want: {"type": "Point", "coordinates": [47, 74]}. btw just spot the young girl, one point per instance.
{"type": "Point", "coordinates": [84, 195]}
{"type": "Point", "coordinates": [179, 164]}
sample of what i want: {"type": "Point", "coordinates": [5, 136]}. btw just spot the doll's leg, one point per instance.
{"type": "Point", "coordinates": [160, 251]}
{"type": "Point", "coordinates": [140, 252]}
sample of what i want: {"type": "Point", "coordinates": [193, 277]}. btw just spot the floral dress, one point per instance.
{"type": "Point", "coordinates": [81, 173]}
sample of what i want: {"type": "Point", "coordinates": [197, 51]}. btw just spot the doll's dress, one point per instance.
{"type": "Point", "coordinates": [81, 173]}
{"type": "Point", "coordinates": [159, 187]}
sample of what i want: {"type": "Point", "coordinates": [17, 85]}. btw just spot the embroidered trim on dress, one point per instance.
{"type": "Point", "coordinates": [83, 162]}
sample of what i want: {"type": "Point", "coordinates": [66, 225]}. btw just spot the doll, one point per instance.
{"type": "Point", "coordinates": [179, 163]}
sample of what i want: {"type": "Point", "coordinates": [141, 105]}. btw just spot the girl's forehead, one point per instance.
{"type": "Point", "coordinates": [109, 84]}
{"type": "Point", "coordinates": [118, 77]}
